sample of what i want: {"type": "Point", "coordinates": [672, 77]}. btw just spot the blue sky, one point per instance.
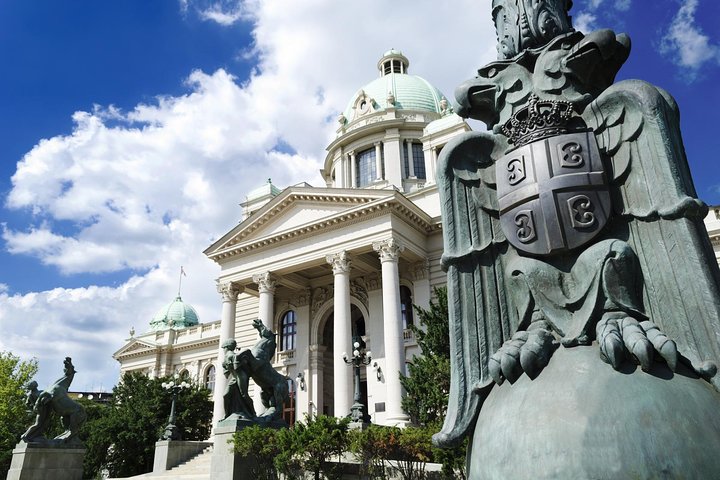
{"type": "Point", "coordinates": [128, 130]}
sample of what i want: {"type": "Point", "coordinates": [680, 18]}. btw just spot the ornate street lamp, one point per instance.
{"type": "Point", "coordinates": [359, 358]}
{"type": "Point", "coordinates": [172, 432]}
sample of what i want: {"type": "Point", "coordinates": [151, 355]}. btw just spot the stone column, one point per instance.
{"type": "Point", "coordinates": [342, 375]}
{"type": "Point", "coordinates": [340, 172]}
{"type": "Point", "coordinates": [389, 251]}
{"type": "Point", "coordinates": [353, 170]}
{"type": "Point", "coordinates": [315, 382]}
{"type": "Point", "coordinates": [378, 160]}
{"type": "Point", "coordinates": [431, 165]}
{"type": "Point", "coordinates": [411, 160]}
{"type": "Point", "coordinates": [266, 286]}
{"type": "Point", "coordinates": [229, 293]}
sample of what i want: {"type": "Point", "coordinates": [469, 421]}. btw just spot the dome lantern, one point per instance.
{"type": "Point", "coordinates": [393, 61]}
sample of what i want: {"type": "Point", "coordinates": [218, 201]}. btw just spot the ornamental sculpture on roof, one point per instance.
{"type": "Point", "coordinates": [575, 253]}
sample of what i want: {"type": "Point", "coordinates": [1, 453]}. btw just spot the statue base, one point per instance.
{"type": "Point", "coordinates": [225, 464]}
{"type": "Point", "coordinates": [171, 453]}
{"type": "Point", "coordinates": [41, 461]}
{"type": "Point", "coordinates": [580, 419]}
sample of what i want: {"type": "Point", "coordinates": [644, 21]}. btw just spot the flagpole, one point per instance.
{"type": "Point", "coordinates": [182, 272]}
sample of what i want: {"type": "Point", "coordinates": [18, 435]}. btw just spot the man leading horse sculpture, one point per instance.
{"type": "Point", "coordinates": [254, 363]}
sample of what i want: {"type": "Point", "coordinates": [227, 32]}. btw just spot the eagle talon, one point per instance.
{"type": "Point", "coordinates": [620, 335]}
{"type": "Point", "coordinates": [528, 351]}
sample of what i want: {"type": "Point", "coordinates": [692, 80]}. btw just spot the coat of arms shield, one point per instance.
{"type": "Point", "coordinates": [553, 194]}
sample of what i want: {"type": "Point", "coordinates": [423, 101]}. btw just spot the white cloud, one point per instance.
{"type": "Point", "coordinates": [588, 19]}
{"type": "Point", "coordinates": [686, 44]}
{"type": "Point", "coordinates": [223, 12]}
{"type": "Point", "coordinates": [150, 188]}
{"type": "Point", "coordinates": [585, 22]}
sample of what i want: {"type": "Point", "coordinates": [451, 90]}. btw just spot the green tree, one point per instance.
{"type": "Point", "coordinates": [123, 439]}
{"type": "Point", "coordinates": [14, 418]}
{"type": "Point", "coordinates": [428, 381]}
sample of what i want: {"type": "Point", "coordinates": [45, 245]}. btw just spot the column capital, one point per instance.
{"type": "Point", "coordinates": [228, 290]}
{"type": "Point", "coordinates": [340, 262]}
{"type": "Point", "coordinates": [351, 154]}
{"type": "Point", "coordinates": [377, 144]}
{"type": "Point", "coordinates": [266, 282]}
{"type": "Point", "coordinates": [389, 250]}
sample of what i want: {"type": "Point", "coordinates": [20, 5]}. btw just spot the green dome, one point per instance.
{"type": "Point", "coordinates": [407, 92]}
{"type": "Point", "coordinates": [176, 314]}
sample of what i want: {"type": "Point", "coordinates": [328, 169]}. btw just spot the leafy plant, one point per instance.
{"type": "Point", "coordinates": [260, 446]}
{"type": "Point", "coordinates": [14, 417]}
{"type": "Point", "coordinates": [317, 441]}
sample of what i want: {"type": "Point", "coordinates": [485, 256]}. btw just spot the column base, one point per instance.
{"type": "Point", "coordinates": [397, 420]}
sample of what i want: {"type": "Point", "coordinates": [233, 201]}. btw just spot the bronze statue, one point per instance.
{"type": "Point", "coordinates": [254, 363]}
{"type": "Point", "coordinates": [55, 400]}
{"type": "Point", "coordinates": [573, 227]}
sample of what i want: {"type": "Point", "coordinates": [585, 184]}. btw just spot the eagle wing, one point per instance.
{"type": "Point", "coordinates": [480, 320]}
{"type": "Point", "coordinates": [657, 213]}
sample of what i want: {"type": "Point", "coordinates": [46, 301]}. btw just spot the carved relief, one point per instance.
{"type": "Point", "coordinates": [581, 209]}
{"type": "Point", "coordinates": [358, 290]}
{"type": "Point", "coordinates": [570, 155]}
{"type": "Point", "coordinates": [516, 170]}
{"type": "Point", "coordinates": [319, 296]}
{"type": "Point", "coordinates": [526, 223]}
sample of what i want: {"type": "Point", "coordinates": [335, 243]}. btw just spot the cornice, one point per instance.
{"type": "Point", "coordinates": [393, 203]}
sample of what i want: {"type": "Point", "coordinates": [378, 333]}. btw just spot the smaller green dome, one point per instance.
{"type": "Point", "coordinates": [176, 315]}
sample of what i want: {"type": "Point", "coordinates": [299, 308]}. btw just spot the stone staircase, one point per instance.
{"type": "Point", "coordinates": [197, 468]}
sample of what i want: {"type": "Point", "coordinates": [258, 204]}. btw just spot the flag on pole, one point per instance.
{"type": "Point", "coordinates": [182, 271]}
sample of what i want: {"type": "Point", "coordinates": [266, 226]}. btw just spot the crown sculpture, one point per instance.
{"type": "Point", "coordinates": [583, 290]}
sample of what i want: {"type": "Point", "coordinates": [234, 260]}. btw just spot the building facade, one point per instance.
{"type": "Point", "coordinates": [322, 266]}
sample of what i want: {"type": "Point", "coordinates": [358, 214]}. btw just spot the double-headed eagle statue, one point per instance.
{"type": "Point", "coordinates": [575, 251]}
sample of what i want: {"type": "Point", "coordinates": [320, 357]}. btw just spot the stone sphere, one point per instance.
{"type": "Point", "coordinates": [580, 419]}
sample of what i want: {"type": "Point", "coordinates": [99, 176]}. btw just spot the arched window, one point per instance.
{"type": "Point", "coordinates": [210, 378]}
{"type": "Point", "coordinates": [288, 328]}
{"type": "Point", "coordinates": [366, 171]}
{"type": "Point", "coordinates": [406, 306]}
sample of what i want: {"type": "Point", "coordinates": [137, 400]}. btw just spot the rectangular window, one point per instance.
{"type": "Point", "coordinates": [418, 160]}
{"type": "Point", "coordinates": [366, 171]}
{"type": "Point", "coordinates": [289, 330]}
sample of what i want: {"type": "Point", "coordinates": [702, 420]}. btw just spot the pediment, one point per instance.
{"type": "Point", "coordinates": [134, 347]}
{"type": "Point", "coordinates": [311, 210]}
{"type": "Point", "coordinates": [294, 208]}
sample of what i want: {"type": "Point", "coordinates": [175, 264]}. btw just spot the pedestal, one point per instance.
{"type": "Point", "coordinates": [171, 453]}
{"type": "Point", "coordinates": [225, 464]}
{"type": "Point", "coordinates": [34, 461]}
{"type": "Point", "coordinates": [582, 420]}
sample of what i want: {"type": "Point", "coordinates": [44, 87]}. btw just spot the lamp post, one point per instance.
{"type": "Point", "coordinates": [358, 359]}
{"type": "Point", "coordinates": [172, 432]}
